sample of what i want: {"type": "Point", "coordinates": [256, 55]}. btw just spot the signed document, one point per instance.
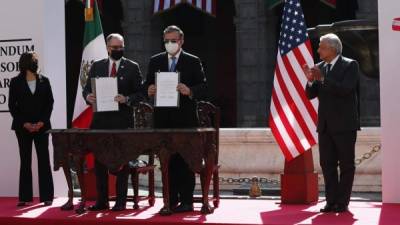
{"type": "Point", "coordinates": [105, 90]}
{"type": "Point", "coordinates": [167, 95]}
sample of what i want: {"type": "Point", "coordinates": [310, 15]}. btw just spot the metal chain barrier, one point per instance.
{"type": "Point", "coordinates": [368, 155]}
{"type": "Point", "coordinates": [246, 180]}
{"type": "Point", "coordinates": [263, 180]}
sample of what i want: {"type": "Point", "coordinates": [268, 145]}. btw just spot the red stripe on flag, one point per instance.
{"type": "Point", "coordinates": [307, 102]}
{"type": "Point", "coordinates": [309, 47]}
{"type": "Point", "coordinates": [161, 6]}
{"type": "Point", "coordinates": [292, 104]}
{"type": "Point", "coordinates": [214, 7]}
{"type": "Point", "coordinates": [293, 136]}
{"type": "Point", "coordinates": [84, 119]}
{"type": "Point", "coordinates": [279, 139]}
{"type": "Point", "coordinates": [204, 5]}
{"type": "Point", "coordinates": [298, 86]}
{"type": "Point", "coordinates": [172, 3]}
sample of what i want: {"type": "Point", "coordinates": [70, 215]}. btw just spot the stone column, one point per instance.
{"type": "Point", "coordinates": [137, 30]}
{"type": "Point", "coordinates": [254, 56]}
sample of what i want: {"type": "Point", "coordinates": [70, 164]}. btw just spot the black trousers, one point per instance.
{"type": "Point", "coordinates": [46, 188]}
{"type": "Point", "coordinates": [121, 185]}
{"type": "Point", "coordinates": [181, 177]}
{"type": "Point", "coordinates": [337, 150]}
{"type": "Point", "coordinates": [111, 121]}
{"type": "Point", "coordinates": [181, 181]}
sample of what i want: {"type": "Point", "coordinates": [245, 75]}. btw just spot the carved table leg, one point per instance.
{"type": "Point", "coordinates": [78, 160]}
{"type": "Point", "coordinates": [205, 181]}
{"type": "Point", "coordinates": [164, 161]}
{"type": "Point", "coordinates": [67, 172]}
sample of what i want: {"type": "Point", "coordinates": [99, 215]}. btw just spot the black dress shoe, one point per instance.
{"type": "Point", "coordinates": [48, 203]}
{"type": "Point", "coordinates": [183, 208]}
{"type": "Point", "coordinates": [328, 208]}
{"type": "Point", "coordinates": [20, 204]}
{"type": "Point", "coordinates": [98, 207]}
{"type": "Point", "coordinates": [118, 207]}
{"type": "Point", "coordinates": [341, 208]}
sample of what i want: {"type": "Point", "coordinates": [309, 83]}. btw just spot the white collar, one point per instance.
{"type": "Point", "coordinates": [116, 61]}
{"type": "Point", "coordinates": [333, 62]}
{"type": "Point", "coordinates": [176, 56]}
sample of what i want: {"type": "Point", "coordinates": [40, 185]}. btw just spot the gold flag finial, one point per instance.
{"type": "Point", "coordinates": [88, 14]}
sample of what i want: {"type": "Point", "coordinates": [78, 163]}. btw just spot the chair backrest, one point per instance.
{"type": "Point", "coordinates": [143, 116]}
{"type": "Point", "coordinates": [208, 115]}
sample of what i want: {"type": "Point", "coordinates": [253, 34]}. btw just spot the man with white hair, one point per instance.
{"type": "Point", "coordinates": [335, 82]}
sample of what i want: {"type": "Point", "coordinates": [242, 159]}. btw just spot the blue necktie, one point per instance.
{"type": "Point", "coordinates": [173, 64]}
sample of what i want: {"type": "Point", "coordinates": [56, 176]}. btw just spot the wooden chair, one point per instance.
{"type": "Point", "coordinates": [143, 119]}
{"type": "Point", "coordinates": [209, 116]}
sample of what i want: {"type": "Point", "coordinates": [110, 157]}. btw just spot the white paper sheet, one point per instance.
{"type": "Point", "coordinates": [167, 95]}
{"type": "Point", "coordinates": [105, 89]}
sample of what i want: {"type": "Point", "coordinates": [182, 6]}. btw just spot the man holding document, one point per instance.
{"type": "Point", "coordinates": [176, 81]}
{"type": "Point", "coordinates": [114, 85]}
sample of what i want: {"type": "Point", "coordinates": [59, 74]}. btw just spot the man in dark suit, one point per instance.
{"type": "Point", "coordinates": [192, 87]}
{"type": "Point", "coordinates": [335, 82]}
{"type": "Point", "coordinates": [129, 79]}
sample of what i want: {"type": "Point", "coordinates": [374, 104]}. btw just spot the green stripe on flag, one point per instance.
{"type": "Point", "coordinates": [93, 28]}
{"type": "Point", "coordinates": [272, 3]}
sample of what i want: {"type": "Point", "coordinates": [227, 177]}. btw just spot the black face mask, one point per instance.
{"type": "Point", "coordinates": [33, 67]}
{"type": "Point", "coordinates": [117, 54]}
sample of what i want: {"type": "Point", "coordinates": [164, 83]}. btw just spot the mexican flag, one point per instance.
{"type": "Point", "coordinates": [94, 49]}
{"type": "Point", "coordinates": [272, 3]}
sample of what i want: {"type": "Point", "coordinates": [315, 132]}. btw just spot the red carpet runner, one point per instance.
{"type": "Point", "coordinates": [243, 212]}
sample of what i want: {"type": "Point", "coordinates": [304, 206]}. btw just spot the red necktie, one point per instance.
{"type": "Point", "coordinates": [113, 70]}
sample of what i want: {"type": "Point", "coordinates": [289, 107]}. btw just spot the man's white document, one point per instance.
{"type": "Point", "coordinates": [167, 95]}
{"type": "Point", "coordinates": [105, 89]}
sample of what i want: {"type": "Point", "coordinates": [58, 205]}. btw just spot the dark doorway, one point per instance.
{"type": "Point", "coordinates": [226, 53]}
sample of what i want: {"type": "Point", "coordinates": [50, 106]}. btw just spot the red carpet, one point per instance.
{"type": "Point", "coordinates": [246, 212]}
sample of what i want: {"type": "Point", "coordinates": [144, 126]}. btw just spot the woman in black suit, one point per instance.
{"type": "Point", "coordinates": [31, 103]}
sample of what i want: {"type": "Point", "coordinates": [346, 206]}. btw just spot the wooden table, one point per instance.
{"type": "Point", "coordinates": [114, 148]}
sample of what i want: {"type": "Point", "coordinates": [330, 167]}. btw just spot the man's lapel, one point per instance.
{"type": "Point", "coordinates": [337, 67]}
{"type": "Point", "coordinates": [178, 66]}
{"type": "Point", "coordinates": [121, 67]}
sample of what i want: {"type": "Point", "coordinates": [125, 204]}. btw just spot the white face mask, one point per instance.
{"type": "Point", "coordinates": [171, 48]}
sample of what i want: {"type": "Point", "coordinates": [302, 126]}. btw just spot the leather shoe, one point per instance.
{"type": "Point", "coordinates": [20, 204]}
{"type": "Point", "coordinates": [341, 208]}
{"type": "Point", "coordinates": [118, 207]}
{"type": "Point", "coordinates": [98, 207]}
{"type": "Point", "coordinates": [328, 208]}
{"type": "Point", "coordinates": [183, 208]}
{"type": "Point", "coordinates": [48, 203]}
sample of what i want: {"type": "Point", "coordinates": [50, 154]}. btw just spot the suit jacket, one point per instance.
{"type": "Point", "coordinates": [192, 75]}
{"type": "Point", "coordinates": [129, 84]}
{"type": "Point", "coordinates": [338, 96]}
{"type": "Point", "coordinates": [27, 107]}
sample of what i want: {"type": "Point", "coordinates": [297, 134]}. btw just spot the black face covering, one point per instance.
{"type": "Point", "coordinates": [117, 54]}
{"type": "Point", "coordinates": [34, 66]}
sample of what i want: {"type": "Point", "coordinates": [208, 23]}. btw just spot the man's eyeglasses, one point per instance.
{"type": "Point", "coordinates": [116, 47]}
{"type": "Point", "coordinates": [171, 41]}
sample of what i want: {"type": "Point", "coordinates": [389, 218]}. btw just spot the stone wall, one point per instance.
{"type": "Point", "coordinates": [245, 153]}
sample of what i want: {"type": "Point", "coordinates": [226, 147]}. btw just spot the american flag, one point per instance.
{"type": "Point", "coordinates": [293, 117]}
{"type": "Point", "coordinates": [209, 6]}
